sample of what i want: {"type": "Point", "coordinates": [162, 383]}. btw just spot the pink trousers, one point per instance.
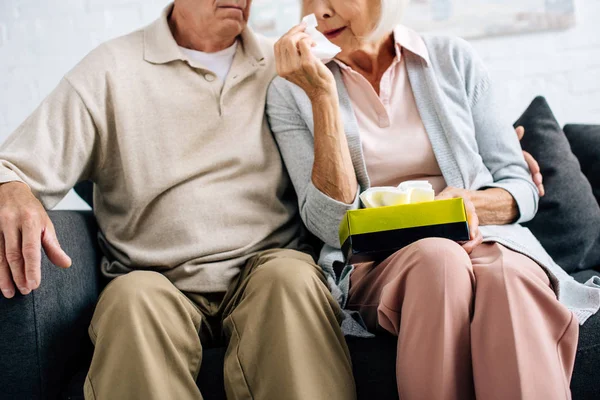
{"type": "Point", "coordinates": [485, 326]}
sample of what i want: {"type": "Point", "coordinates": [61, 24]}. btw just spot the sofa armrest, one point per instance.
{"type": "Point", "coordinates": [43, 336]}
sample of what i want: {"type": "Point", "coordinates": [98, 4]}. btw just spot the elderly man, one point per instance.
{"type": "Point", "coordinates": [199, 223]}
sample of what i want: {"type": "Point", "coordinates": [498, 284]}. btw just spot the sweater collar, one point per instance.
{"type": "Point", "coordinates": [160, 46]}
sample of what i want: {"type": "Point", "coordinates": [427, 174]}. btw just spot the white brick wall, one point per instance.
{"type": "Point", "coordinates": [40, 40]}
{"type": "Point", "coordinates": [563, 66]}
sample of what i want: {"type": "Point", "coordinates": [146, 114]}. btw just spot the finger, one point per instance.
{"type": "Point", "coordinates": [293, 46]}
{"type": "Point", "coordinates": [520, 132]}
{"type": "Point", "coordinates": [473, 228]}
{"type": "Point", "coordinates": [532, 163]}
{"type": "Point", "coordinates": [472, 244]}
{"type": "Point", "coordinates": [286, 48]}
{"type": "Point", "coordinates": [534, 168]}
{"type": "Point", "coordinates": [538, 179]}
{"type": "Point", "coordinates": [291, 33]}
{"type": "Point", "coordinates": [6, 283]}
{"type": "Point", "coordinates": [55, 253]}
{"type": "Point", "coordinates": [308, 59]}
{"type": "Point", "coordinates": [305, 45]}
{"type": "Point", "coordinates": [14, 257]}
{"type": "Point", "coordinates": [472, 219]}
{"type": "Point", "coordinates": [445, 194]}
{"type": "Point", "coordinates": [281, 62]}
{"type": "Point", "coordinates": [290, 54]}
{"type": "Point", "coordinates": [301, 27]}
{"type": "Point", "coordinates": [479, 239]}
{"type": "Point", "coordinates": [468, 246]}
{"type": "Point", "coordinates": [541, 190]}
{"type": "Point", "coordinates": [291, 42]}
{"type": "Point", "coordinates": [276, 53]}
{"type": "Point", "coordinates": [32, 252]}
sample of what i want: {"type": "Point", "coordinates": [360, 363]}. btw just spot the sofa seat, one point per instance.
{"type": "Point", "coordinates": [374, 365]}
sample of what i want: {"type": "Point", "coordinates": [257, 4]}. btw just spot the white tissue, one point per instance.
{"type": "Point", "coordinates": [420, 191]}
{"type": "Point", "coordinates": [409, 192]}
{"type": "Point", "coordinates": [324, 50]}
{"type": "Point", "coordinates": [373, 197]}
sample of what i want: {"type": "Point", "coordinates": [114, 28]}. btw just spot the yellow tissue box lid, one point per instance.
{"type": "Point", "coordinates": [369, 220]}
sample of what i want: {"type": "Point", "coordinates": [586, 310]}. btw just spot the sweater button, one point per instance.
{"type": "Point", "coordinates": [209, 77]}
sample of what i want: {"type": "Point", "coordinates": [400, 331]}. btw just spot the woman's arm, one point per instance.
{"type": "Point", "coordinates": [500, 150]}
{"type": "Point", "coordinates": [332, 172]}
{"type": "Point", "coordinates": [320, 166]}
{"type": "Point", "coordinates": [494, 206]}
{"type": "Point", "coordinates": [320, 212]}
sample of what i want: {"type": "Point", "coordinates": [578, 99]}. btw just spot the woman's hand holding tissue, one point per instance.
{"type": "Point", "coordinates": [472, 218]}
{"type": "Point", "coordinates": [333, 172]}
{"type": "Point", "coordinates": [297, 64]}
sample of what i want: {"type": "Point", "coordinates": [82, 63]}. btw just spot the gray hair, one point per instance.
{"type": "Point", "coordinates": [392, 12]}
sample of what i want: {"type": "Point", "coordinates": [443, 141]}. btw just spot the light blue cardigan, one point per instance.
{"type": "Point", "coordinates": [474, 146]}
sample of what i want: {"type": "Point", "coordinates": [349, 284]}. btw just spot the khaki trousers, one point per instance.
{"type": "Point", "coordinates": [485, 326]}
{"type": "Point", "coordinates": [279, 319]}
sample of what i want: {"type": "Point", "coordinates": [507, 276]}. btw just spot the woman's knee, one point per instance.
{"type": "Point", "coordinates": [431, 269]}
{"type": "Point", "coordinates": [432, 258]}
{"type": "Point", "coordinates": [436, 275]}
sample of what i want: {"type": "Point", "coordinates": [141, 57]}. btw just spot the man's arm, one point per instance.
{"type": "Point", "coordinates": [56, 147]}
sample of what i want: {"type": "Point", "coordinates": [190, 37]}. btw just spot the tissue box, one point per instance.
{"type": "Point", "coordinates": [372, 234]}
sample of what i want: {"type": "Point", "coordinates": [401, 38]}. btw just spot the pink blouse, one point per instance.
{"type": "Point", "coordinates": [395, 144]}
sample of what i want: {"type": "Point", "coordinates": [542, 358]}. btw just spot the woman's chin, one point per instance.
{"type": "Point", "coordinates": [341, 43]}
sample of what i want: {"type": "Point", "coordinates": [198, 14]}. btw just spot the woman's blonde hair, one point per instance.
{"type": "Point", "coordinates": [392, 12]}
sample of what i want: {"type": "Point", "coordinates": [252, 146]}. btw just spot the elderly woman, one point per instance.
{"type": "Point", "coordinates": [491, 318]}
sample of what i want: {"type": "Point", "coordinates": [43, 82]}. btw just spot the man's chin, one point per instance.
{"type": "Point", "coordinates": [233, 26]}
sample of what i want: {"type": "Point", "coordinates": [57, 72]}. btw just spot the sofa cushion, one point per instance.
{"type": "Point", "coordinates": [568, 221]}
{"type": "Point", "coordinates": [585, 144]}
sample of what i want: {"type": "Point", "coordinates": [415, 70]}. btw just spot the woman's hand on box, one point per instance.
{"type": "Point", "coordinates": [472, 218]}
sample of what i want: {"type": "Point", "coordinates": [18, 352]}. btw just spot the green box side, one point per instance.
{"type": "Point", "coordinates": [344, 231]}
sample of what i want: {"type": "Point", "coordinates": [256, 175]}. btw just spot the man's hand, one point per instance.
{"type": "Point", "coordinates": [24, 228]}
{"type": "Point", "coordinates": [472, 218]}
{"type": "Point", "coordinates": [534, 167]}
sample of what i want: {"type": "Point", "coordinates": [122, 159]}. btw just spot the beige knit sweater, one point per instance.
{"type": "Point", "coordinates": [188, 179]}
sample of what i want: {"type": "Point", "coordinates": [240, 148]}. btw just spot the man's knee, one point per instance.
{"type": "Point", "coordinates": [293, 274]}
{"type": "Point", "coordinates": [133, 286]}
{"type": "Point", "coordinates": [138, 294]}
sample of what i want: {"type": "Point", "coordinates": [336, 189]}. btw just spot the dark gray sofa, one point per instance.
{"type": "Point", "coordinates": [45, 350]}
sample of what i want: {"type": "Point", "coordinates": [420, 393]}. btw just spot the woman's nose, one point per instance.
{"type": "Point", "coordinates": [323, 9]}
